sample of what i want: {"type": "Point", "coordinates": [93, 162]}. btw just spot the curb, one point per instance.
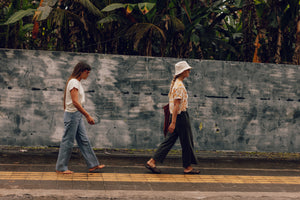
{"type": "Point", "coordinates": [146, 153]}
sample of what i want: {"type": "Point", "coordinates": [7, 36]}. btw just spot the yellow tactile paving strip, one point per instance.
{"type": "Point", "coordinates": [129, 177]}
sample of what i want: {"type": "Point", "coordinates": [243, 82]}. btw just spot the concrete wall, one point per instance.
{"type": "Point", "coordinates": [233, 106]}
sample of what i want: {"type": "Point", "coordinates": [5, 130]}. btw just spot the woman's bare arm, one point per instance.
{"type": "Point", "coordinates": [174, 115]}
{"type": "Point", "coordinates": [74, 96]}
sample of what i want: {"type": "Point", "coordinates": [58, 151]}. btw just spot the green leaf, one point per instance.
{"type": "Point", "coordinates": [109, 19]}
{"type": "Point", "coordinates": [177, 23]}
{"type": "Point", "coordinates": [195, 39]}
{"type": "Point", "coordinates": [19, 15]}
{"type": "Point", "coordinates": [26, 28]}
{"type": "Point", "coordinates": [129, 8]}
{"type": "Point", "coordinates": [237, 35]}
{"type": "Point", "coordinates": [145, 7]}
{"type": "Point", "coordinates": [238, 3]}
{"type": "Point", "coordinates": [113, 6]}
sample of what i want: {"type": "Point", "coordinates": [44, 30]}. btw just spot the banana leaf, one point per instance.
{"type": "Point", "coordinates": [19, 15]}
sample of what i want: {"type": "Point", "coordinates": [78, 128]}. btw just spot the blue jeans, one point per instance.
{"type": "Point", "coordinates": [74, 128]}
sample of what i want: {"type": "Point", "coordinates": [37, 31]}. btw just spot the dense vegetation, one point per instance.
{"type": "Point", "coordinates": [232, 30]}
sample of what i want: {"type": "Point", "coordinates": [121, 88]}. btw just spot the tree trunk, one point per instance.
{"type": "Point", "coordinates": [296, 57]}
{"type": "Point", "coordinates": [7, 36]}
{"type": "Point", "coordinates": [277, 57]}
{"type": "Point", "coordinates": [257, 44]}
{"type": "Point", "coordinates": [248, 46]}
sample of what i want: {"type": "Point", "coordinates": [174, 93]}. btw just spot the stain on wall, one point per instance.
{"type": "Point", "coordinates": [233, 105]}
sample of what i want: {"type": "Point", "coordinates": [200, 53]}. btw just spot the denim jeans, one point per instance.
{"type": "Point", "coordinates": [75, 129]}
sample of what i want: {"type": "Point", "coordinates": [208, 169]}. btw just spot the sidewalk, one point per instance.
{"type": "Point", "coordinates": [29, 173]}
{"type": "Point", "coordinates": [48, 155]}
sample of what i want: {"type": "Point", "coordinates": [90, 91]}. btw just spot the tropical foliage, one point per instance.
{"type": "Point", "coordinates": [233, 30]}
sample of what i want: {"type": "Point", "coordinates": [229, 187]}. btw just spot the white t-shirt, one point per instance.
{"type": "Point", "coordinates": [74, 83]}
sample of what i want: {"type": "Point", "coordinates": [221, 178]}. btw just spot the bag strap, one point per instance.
{"type": "Point", "coordinates": [167, 119]}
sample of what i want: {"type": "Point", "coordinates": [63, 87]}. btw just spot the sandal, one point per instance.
{"type": "Point", "coordinates": [65, 172]}
{"type": "Point", "coordinates": [95, 168]}
{"type": "Point", "coordinates": [193, 171]}
{"type": "Point", "coordinates": [153, 169]}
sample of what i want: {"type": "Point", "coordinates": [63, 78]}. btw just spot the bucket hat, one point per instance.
{"type": "Point", "coordinates": [181, 67]}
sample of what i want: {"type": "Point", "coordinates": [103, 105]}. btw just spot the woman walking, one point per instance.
{"type": "Point", "coordinates": [74, 98]}
{"type": "Point", "coordinates": [180, 124]}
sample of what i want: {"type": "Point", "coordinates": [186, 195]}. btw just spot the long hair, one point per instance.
{"type": "Point", "coordinates": [77, 71]}
{"type": "Point", "coordinates": [172, 84]}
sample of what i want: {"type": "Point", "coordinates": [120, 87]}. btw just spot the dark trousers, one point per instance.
{"type": "Point", "coordinates": [184, 132]}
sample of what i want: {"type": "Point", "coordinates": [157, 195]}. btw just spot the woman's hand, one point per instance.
{"type": "Point", "coordinates": [90, 120]}
{"type": "Point", "coordinates": [171, 128]}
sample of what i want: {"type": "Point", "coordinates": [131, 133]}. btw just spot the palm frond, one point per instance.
{"type": "Point", "coordinates": [57, 17]}
{"type": "Point", "coordinates": [140, 30]}
{"type": "Point", "coordinates": [90, 6]}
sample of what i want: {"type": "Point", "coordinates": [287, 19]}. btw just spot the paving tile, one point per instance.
{"type": "Point", "coordinates": [64, 185]}
{"type": "Point", "coordinates": [79, 185]}
{"type": "Point", "coordinates": [139, 178]}
{"type": "Point", "coordinates": [48, 184]}
{"type": "Point", "coordinates": [95, 185]}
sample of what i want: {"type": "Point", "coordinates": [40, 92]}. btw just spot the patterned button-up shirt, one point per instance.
{"type": "Point", "coordinates": [178, 92]}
